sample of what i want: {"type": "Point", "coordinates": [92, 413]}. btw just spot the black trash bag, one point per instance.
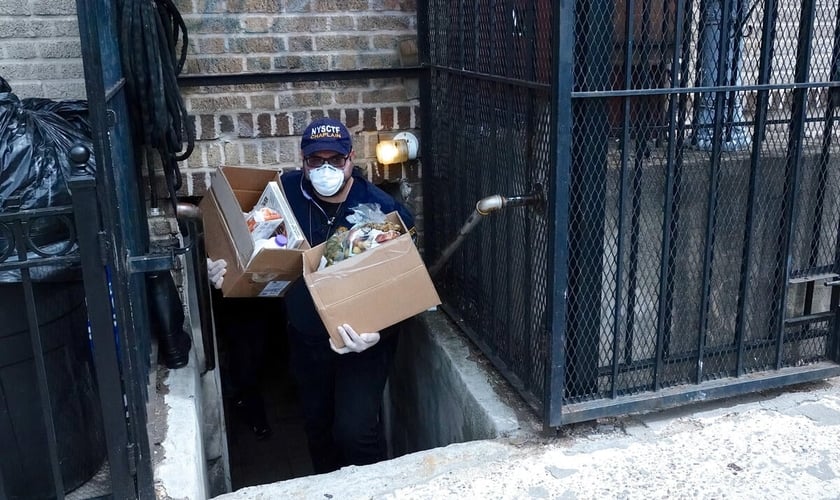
{"type": "Point", "coordinates": [35, 137]}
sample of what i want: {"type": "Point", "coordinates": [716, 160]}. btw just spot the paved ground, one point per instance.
{"type": "Point", "coordinates": [775, 445]}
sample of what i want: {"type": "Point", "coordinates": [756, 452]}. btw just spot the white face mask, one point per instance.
{"type": "Point", "coordinates": [326, 179]}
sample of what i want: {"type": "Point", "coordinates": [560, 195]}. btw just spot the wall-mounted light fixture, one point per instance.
{"type": "Point", "coordinates": [402, 147]}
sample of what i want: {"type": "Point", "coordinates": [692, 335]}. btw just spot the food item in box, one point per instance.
{"type": "Point", "coordinates": [271, 221]}
{"type": "Point", "coordinates": [370, 230]}
{"type": "Point", "coordinates": [263, 222]}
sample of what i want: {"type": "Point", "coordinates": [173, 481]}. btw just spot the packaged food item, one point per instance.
{"type": "Point", "coordinates": [272, 217]}
{"type": "Point", "coordinates": [276, 241]}
{"type": "Point", "coordinates": [263, 222]}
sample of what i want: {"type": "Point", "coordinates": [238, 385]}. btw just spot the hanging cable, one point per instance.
{"type": "Point", "coordinates": [153, 50]}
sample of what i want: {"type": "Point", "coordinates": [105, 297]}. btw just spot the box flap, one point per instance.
{"type": "Point", "coordinates": [237, 190]}
{"type": "Point", "coordinates": [248, 183]}
{"type": "Point", "coordinates": [223, 192]}
{"type": "Point", "coordinates": [218, 243]}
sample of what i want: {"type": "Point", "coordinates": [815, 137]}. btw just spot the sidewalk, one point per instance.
{"type": "Point", "coordinates": [782, 444]}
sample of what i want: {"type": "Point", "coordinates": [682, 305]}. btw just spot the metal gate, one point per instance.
{"type": "Point", "coordinates": [124, 242]}
{"type": "Point", "coordinates": [688, 247]}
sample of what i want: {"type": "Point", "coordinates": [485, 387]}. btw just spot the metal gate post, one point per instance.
{"type": "Point", "coordinates": [831, 107]}
{"type": "Point", "coordinates": [794, 161]}
{"type": "Point", "coordinates": [762, 100]}
{"type": "Point", "coordinates": [123, 220]}
{"type": "Point", "coordinates": [563, 19]}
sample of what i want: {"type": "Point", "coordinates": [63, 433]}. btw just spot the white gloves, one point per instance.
{"type": "Point", "coordinates": [354, 342]}
{"type": "Point", "coordinates": [216, 270]}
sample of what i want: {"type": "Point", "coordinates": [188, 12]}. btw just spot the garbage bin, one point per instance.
{"type": "Point", "coordinates": [24, 453]}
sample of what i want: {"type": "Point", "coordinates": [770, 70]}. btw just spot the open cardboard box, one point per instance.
{"type": "Point", "coordinates": [266, 273]}
{"type": "Point", "coordinates": [371, 290]}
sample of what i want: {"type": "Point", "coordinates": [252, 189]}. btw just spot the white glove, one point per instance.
{"type": "Point", "coordinates": [216, 270]}
{"type": "Point", "coordinates": [354, 342]}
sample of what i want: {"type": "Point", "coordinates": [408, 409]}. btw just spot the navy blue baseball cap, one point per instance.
{"type": "Point", "coordinates": [326, 134]}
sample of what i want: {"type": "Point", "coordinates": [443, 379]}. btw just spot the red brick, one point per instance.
{"type": "Point", "coordinates": [351, 118]}
{"type": "Point", "coordinates": [225, 124]}
{"type": "Point", "coordinates": [208, 128]}
{"type": "Point", "coordinates": [403, 117]}
{"type": "Point", "coordinates": [387, 118]}
{"type": "Point", "coordinates": [264, 125]}
{"type": "Point", "coordinates": [282, 120]}
{"type": "Point", "coordinates": [369, 118]}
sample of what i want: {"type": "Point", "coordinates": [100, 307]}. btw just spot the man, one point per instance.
{"type": "Point", "coordinates": [340, 388]}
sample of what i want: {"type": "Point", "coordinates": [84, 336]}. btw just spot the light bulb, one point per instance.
{"type": "Point", "coordinates": [401, 148]}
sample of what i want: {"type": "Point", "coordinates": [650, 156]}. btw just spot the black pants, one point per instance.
{"type": "Point", "coordinates": [341, 398]}
{"type": "Point", "coordinates": [244, 326]}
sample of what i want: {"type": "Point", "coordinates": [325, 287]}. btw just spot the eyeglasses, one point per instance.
{"type": "Point", "coordinates": [317, 161]}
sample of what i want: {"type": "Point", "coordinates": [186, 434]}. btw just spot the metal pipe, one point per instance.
{"type": "Point", "coordinates": [483, 207]}
{"type": "Point", "coordinates": [189, 215]}
{"type": "Point", "coordinates": [721, 42]}
{"type": "Point", "coordinates": [185, 210]}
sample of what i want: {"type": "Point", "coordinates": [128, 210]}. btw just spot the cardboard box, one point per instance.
{"type": "Point", "coordinates": [266, 273]}
{"type": "Point", "coordinates": [372, 290]}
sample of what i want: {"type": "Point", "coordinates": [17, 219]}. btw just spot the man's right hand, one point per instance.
{"type": "Point", "coordinates": [216, 270]}
{"type": "Point", "coordinates": [354, 342]}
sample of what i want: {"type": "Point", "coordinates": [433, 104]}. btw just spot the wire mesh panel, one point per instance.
{"type": "Point", "coordinates": [698, 146]}
{"type": "Point", "coordinates": [488, 121]}
{"type": "Point", "coordinates": [700, 229]}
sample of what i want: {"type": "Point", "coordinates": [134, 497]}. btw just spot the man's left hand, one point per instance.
{"type": "Point", "coordinates": [354, 342]}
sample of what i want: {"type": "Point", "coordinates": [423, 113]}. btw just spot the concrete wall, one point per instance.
{"type": "Point", "coordinates": [440, 393]}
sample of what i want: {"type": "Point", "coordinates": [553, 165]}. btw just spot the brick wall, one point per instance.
{"type": "Point", "coordinates": [40, 54]}
{"type": "Point", "coordinates": [260, 125]}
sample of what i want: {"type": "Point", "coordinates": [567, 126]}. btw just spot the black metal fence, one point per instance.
{"type": "Point", "coordinates": [65, 428]}
{"type": "Point", "coordinates": [689, 245]}
{"type": "Point", "coordinates": [75, 347]}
